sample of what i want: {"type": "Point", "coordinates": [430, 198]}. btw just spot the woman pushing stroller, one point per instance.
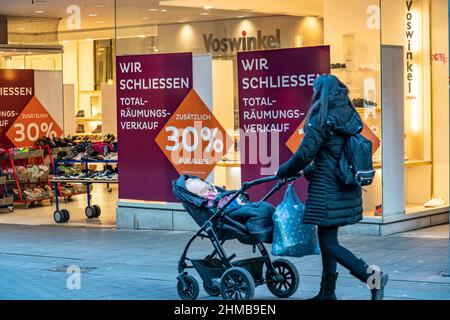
{"type": "Point", "coordinates": [330, 204]}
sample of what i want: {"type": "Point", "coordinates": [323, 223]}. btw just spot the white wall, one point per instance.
{"type": "Point", "coordinates": [295, 32]}
{"type": "Point", "coordinates": [49, 90]}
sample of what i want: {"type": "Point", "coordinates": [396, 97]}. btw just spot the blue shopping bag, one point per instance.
{"type": "Point", "coordinates": [291, 237]}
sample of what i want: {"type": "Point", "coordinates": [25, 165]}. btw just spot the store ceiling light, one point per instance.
{"type": "Point", "coordinates": [163, 10]}
{"type": "Point", "coordinates": [145, 18]}
{"type": "Point", "coordinates": [204, 13]}
{"type": "Point", "coordinates": [39, 11]}
{"type": "Point", "coordinates": [240, 17]}
{"type": "Point", "coordinates": [92, 14]}
{"type": "Point", "coordinates": [208, 7]}
{"type": "Point", "coordinates": [89, 39]}
{"type": "Point", "coordinates": [153, 10]}
{"type": "Point", "coordinates": [142, 36]}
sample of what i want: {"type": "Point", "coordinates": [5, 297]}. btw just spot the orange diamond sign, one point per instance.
{"type": "Point", "coordinates": [33, 123]}
{"type": "Point", "coordinates": [193, 140]}
{"type": "Point", "coordinates": [296, 139]}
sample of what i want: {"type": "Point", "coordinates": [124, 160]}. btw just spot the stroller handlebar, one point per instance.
{"type": "Point", "coordinates": [281, 181]}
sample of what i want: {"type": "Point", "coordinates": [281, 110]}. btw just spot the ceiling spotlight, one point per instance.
{"type": "Point", "coordinates": [204, 13]}
{"type": "Point", "coordinates": [92, 14]}
{"type": "Point", "coordinates": [153, 10]}
{"type": "Point", "coordinates": [208, 7]}
{"type": "Point", "coordinates": [39, 11]}
{"type": "Point", "coordinates": [163, 10]}
{"type": "Point", "coordinates": [240, 17]}
{"type": "Point", "coordinates": [141, 36]}
{"type": "Point", "coordinates": [89, 39]}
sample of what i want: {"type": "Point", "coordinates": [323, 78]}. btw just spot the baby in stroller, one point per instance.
{"type": "Point", "coordinates": [225, 215]}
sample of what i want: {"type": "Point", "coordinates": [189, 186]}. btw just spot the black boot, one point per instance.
{"type": "Point", "coordinates": [362, 272]}
{"type": "Point", "coordinates": [378, 293]}
{"type": "Point", "coordinates": [327, 287]}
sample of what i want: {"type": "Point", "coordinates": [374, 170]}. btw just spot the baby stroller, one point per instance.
{"type": "Point", "coordinates": [221, 275]}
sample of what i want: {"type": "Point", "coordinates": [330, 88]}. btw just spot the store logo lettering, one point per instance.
{"type": "Point", "coordinates": [243, 43]}
{"type": "Point", "coordinates": [409, 53]}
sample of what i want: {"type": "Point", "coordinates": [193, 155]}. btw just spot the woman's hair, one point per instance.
{"type": "Point", "coordinates": [326, 88]}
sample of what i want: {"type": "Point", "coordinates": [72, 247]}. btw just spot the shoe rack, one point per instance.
{"type": "Point", "coordinates": [28, 190]}
{"type": "Point", "coordinates": [6, 200]}
{"type": "Point", "coordinates": [89, 115]}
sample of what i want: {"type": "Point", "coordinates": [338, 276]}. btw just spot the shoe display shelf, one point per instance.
{"type": "Point", "coordinates": [29, 190]}
{"type": "Point", "coordinates": [91, 211]}
{"type": "Point", "coordinates": [65, 190]}
{"type": "Point", "coordinates": [6, 201]}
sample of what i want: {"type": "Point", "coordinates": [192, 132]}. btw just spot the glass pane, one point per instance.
{"type": "Point", "coordinates": [406, 26]}
{"type": "Point", "coordinates": [352, 31]}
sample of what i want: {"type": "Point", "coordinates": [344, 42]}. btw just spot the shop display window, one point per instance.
{"type": "Point", "coordinates": [373, 44]}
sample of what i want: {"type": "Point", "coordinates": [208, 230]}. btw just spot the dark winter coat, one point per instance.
{"type": "Point", "coordinates": [329, 202]}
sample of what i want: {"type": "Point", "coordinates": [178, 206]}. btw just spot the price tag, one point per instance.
{"type": "Point", "coordinates": [193, 140]}
{"type": "Point", "coordinates": [33, 123]}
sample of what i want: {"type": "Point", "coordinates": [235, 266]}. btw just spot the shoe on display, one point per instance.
{"type": "Point", "coordinates": [98, 129]}
{"type": "Point", "coordinates": [373, 66]}
{"type": "Point", "coordinates": [378, 211]}
{"type": "Point", "coordinates": [435, 202]}
{"type": "Point", "coordinates": [338, 66]}
{"type": "Point", "coordinates": [80, 114]}
{"type": "Point", "coordinates": [80, 128]}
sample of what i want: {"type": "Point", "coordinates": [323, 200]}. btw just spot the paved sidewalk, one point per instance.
{"type": "Point", "coordinates": [121, 264]}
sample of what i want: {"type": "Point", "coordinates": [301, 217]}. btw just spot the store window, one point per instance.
{"type": "Point", "coordinates": [382, 50]}
{"type": "Point", "coordinates": [406, 32]}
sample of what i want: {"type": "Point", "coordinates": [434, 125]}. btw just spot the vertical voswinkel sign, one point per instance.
{"type": "Point", "coordinates": [275, 91]}
{"type": "Point", "coordinates": [149, 90]}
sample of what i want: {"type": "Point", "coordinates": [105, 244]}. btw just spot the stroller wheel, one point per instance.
{"type": "Point", "coordinates": [211, 290]}
{"type": "Point", "coordinates": [237, 284]}
{"type": "Point", "coordinates": [189, 289]}
{"type": "Point", "coordinates": [285, 281]}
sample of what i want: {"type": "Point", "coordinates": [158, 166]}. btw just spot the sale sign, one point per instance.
{"type": "Point", "coordinates": [275, 91]}
{"type": "Point", "coordinates": [32, 123]}
{"type": "Point", "coordinates": [150, 88]}
{"type": "Point", "coordinates": [193, 140]}
{"type": "Point", "coordinates": [16, 90]}
{"type": "Point", "coordinates": [23, 118]}
{"type": "Point", "coordinates": [296, 139]}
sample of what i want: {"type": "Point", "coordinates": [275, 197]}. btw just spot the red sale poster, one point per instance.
{"type": "Point", "coordinates": [165, 127]}
{"type": "Point", "coordinates": [23, 118]}
{"type": "Point", "coordinates": [149, 90]}
{"type": "Point", "coordinates": [275, 91]}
